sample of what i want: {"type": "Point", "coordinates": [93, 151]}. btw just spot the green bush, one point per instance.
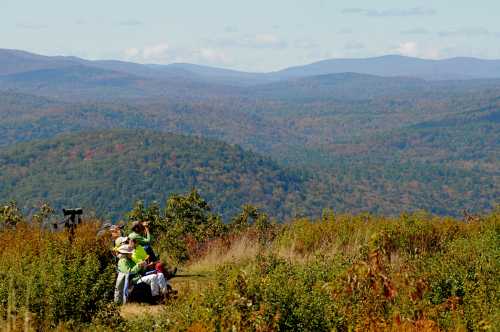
{"type": "Point", "coordinates": [185, 224]}
{"type": "Point", "coordinates": [56, 280]}
{"type": "Point", "coordinates": [344, 273]}
{"type": "Point", "coordinates": [464, 279]}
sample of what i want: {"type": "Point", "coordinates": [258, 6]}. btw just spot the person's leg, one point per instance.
{"type": "Point", "coordinates": [152, 281]}
{"type": "Point", "coordinates": [162, 283]}
{"type": "Point", "coordinates": [120, 281]}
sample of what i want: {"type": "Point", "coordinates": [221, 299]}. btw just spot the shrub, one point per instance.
{"type": "Point", "coordinates": [346, 273]}
{"type": "Point", "coordinates": [185, 224]}
{"type": "Point", "coordinates": [55, 280]}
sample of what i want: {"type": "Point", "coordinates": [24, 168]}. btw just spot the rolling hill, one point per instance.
{"type": "Point", "coordinates": [367, 143]}
{"type": "Point", "coordinates": [107, 171]}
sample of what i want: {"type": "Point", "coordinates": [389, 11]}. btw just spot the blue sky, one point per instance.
{"type": "Point", "coordinates": [252, 35]}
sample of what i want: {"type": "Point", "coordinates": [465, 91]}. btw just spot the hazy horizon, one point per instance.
{"type": "Point", "coordinates": [254, 37]}
{"type": "Point", "coordinates": [249, 71]}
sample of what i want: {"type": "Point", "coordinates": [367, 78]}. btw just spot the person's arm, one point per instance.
{"type": "Point", "coordinates": [137, 268]}
{"type": "Point", "coordinates": [125, 266]}
{"type": "Point", "coordinates": [122, 266]}
{"type": "Point", "coordinates": [142, 240]}
{"type": "Point", "coordinates": [148, 234]}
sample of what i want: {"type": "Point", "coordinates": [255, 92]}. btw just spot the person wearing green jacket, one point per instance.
{"type": "Point", "coordinates": [139, 253]}
{"type": "Point", "coordinates": [127, 268]}
{"type": "Point", "coordinates": [142, 236]}
{"type": "Point", "coordinates": [127, 265]}
{"type": "Point", "coordinates": [140, 233]}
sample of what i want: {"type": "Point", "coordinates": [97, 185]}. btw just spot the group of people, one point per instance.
{"type": "Point", "coordinates": [138, 266]}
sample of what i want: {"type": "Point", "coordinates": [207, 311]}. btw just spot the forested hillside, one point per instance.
{"type": "Point", "coordinates": [107, 171]}
{"type": "Point", "coordinates": [368, 143]}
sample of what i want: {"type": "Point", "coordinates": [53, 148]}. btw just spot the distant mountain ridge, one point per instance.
{"type": "Point", "coordinates": [396, 65]}
{"type": "Point", "coordinates": [460, 68]}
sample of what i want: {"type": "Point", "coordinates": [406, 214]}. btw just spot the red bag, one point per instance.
{"type": "Point", "coordinates": [160, 268]}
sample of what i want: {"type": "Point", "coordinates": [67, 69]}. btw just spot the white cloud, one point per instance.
{"type": "Point", "coordinates": [408, 48]}
{"type": "Point", "coordinates": [131, 53]}
{"type": "Point", "coordinates": [262, 40]}
{"type": "Point", "coordinates": [163, 53]}
{"type": "Point", "coordinates": [156, 52]}
{"type": "Point", "coordinates": [413, 49]}
{"type": "Point", "coordinates": [213, 56]}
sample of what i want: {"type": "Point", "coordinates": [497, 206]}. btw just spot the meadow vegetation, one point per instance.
{"type": "Point", "coordinates": [415, 272]}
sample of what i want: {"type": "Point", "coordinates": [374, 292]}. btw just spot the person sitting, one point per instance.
{"type": "Point", "coordinates": [140, 254]}
{"type": "Point", "coordinates": [119, 241]}
{"type": "Point", "coordinates": [128, 268]}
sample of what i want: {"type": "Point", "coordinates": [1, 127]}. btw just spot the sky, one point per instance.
{"type": "Point", "coordinates": [256, 35]}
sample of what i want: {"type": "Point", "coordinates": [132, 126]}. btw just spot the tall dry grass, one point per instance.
{"type": "Point", "coordinates": [349, 236]}
{"type": "Point", "coordinates": [416, 272]}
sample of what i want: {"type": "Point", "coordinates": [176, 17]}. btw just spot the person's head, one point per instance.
{"type": "Point", "coordinates": [137, 227]}
{"type": "Point", "coordinates": [116, 232]}
{"type": "Point", "coordinates": [121, 241]}
{"type": "Point", "coordinates": [125, 251]}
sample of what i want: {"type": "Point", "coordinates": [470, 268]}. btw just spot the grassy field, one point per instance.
{"type": "Point", "coordinates": [341, 273]}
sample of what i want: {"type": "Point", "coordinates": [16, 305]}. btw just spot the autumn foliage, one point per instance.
{"type": "Point", "coordinates": [415, 272]}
